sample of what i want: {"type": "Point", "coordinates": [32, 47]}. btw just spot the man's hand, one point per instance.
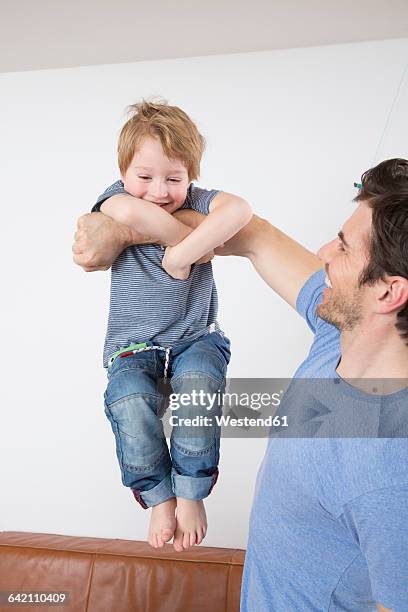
{"type": "Point", "coordinates": [172, 266]}
{"type": "Point", "coordinates": [99, 240]}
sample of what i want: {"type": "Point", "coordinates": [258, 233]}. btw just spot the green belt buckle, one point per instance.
{"type": "Point", "coordinates": [131, 347]}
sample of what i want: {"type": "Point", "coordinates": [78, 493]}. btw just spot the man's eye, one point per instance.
{"type": "Point", "coordinates": [174, 180]}
{"type": "Point", "coordinates": [144, 177]}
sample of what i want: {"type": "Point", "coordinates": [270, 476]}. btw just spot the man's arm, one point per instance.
{"type": "Point", "coordinates": [378, 520]}
{"type": "Point", "coordinates": [284, 264]}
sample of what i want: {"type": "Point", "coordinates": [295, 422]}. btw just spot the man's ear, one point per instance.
{"type": "Point", "coordinates": [393, 293]}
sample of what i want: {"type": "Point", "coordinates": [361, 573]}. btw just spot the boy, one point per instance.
{"type": "Point", "coordinates": [162, 320]}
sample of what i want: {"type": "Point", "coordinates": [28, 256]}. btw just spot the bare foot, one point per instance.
{"type": "Point", "coordinates": [191, 523]}
{"type": "Point", "coordinates": [162, 523]}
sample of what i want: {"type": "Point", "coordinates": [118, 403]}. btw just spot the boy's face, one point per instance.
{"type": "Point", "coordinates": [154, 177]}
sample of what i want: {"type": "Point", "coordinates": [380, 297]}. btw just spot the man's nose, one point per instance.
{"type": "Point", "coordinates": [326, 252]}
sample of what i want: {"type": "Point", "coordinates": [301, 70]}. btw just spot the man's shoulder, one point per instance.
{"type": "Point", "coordinates": [310, 297]}
{"type": "Point", "coordinates": [324, 353]}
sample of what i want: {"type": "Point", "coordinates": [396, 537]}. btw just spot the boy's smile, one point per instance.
{"type": "Point", "coordinates": [154, 177]}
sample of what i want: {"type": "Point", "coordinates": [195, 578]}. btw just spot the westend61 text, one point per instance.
{"type": "Point", "coordinates": [227, 421]}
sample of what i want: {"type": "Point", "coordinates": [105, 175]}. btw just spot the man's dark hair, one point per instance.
{"type": "Point", "coordinates": [385, 189]}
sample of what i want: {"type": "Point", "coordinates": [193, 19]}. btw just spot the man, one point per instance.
{"type": "Point", "coordinates": [328, 529]}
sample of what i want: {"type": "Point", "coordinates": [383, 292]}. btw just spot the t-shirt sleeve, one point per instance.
{"type": "Point", "coordinates": [114, 189]}
{"type": "Point", "coordinates": [309, 297]}
{"type": "Point", "coordinates": [379, 519]}
{"type": "Point", "coordinates": [199, 199]}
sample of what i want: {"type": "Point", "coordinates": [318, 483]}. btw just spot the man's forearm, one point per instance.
{"type": "Point", "coordinates": [284, 264]}
{"type": "Point", "coordinates": [242, 244]}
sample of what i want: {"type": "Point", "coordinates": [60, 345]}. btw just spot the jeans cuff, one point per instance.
{"type": "Point", "coordinates": [189, 487]}
{"type": "Point", "coordinates": [160, 493]}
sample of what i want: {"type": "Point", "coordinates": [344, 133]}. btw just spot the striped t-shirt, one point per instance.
{"type": "Point", "coordinates": [148, 304]}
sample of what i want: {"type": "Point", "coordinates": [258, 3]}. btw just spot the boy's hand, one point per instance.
{"type": "Point", "coordinates": [173, 267]}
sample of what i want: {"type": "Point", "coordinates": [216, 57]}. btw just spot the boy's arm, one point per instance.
{"type": "Point", "coordinates": [99, 239]}
{"type": "Point", "coordinates": [227, 215]}
{"type": "Point", "coordinates": [146, 218]}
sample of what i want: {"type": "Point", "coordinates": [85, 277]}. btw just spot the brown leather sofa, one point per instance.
{"type": "Point", "coordinates": [102, 575]}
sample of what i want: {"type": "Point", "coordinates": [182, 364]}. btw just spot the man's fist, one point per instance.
{"type": "Point", "coordinates": [98, 241]}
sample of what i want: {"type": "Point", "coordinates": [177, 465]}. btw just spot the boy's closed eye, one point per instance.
{"type": "Point", "coordinates": [148, 178]}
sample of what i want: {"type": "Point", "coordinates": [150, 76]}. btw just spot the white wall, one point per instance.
{"type": "Point", "coordinates": [288, 130]}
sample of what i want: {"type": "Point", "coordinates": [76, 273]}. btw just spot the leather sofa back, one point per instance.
{"type": "Point", "coordinates": [103, 575]}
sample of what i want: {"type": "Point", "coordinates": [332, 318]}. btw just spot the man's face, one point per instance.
{"type": "Point", "coordinates": [344, 302]}
{"type": "Point", "coordinates": [154, 177]}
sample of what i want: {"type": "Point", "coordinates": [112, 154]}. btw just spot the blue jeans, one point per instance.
{"type": "Point", "coordinates": [134, 406]}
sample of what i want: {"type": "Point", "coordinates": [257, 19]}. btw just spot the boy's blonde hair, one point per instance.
{"type": "Point", "coordinates": [178, 135]}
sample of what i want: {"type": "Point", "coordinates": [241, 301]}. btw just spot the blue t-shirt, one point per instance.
{"type": "Point", "coordinates": [329, 524]}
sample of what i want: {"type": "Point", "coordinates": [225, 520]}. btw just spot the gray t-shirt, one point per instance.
{"type": "Point", "coordinates": [148, 304]}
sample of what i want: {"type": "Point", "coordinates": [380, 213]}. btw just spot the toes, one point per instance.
{"type": "Point", "coordinates": [160, 542]}
{"type": "Point", "coordinates": [178, 541]}
{"type": "Point", "coordinates": [166, 535]}
{"type": "Point", "coordinates": [153, 540]}
{"type": "Point", "coordinates": [186, 540]}
{"type": "Point", "coordinates": [193, 538]}
{"type": "Point", "coordinates": [201, 533]}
